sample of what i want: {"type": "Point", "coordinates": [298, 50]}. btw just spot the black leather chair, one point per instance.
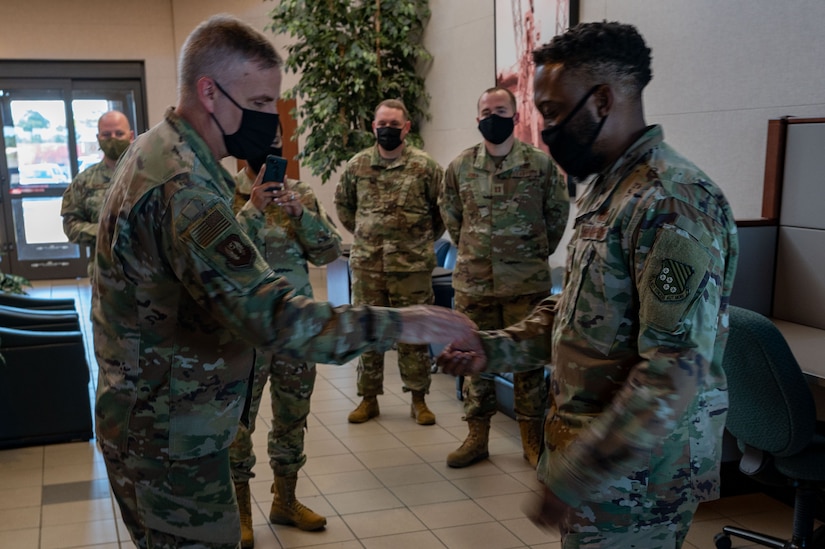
{"type": "Point", "coordinates": [39, 319]}
{"type": "Point", "coordinates": [29, 302]}
{"type": "Point", "coordinates": [773, 418]}
{"type": "Point", "coordinates": [44, 388]}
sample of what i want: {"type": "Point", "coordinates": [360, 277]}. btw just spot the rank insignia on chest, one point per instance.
{"type": "Point", "coordinates": [498, 188]}
{"type": "Point", "coordinates": [670, 283]}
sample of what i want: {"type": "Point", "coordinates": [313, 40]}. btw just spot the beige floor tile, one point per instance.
{"type": "Point", "coordinates": [20, 497]}
{"type": "Point", "coordinates": [80, 533]}
{"type": "Point", "coordinates": [388, 458]}
{"type": "Point", "coordinates": [453, 513]}
{"type": "Point", "coordinates": [77, 472]}
{"type": "Point", "coordinates": [363, 501]}
{"type": "Point", "coordinates": [19, 518]}
{"type": "Point", "coordinates": [350, 481]}
{"type": "Point", "coordinates": [426, 436]}
{"type": "Point", "coordinates": [504, 507]}
{"type": "Point", "coordinates": [427, 493]}
{"type": "Point", "coordinates": [77, 511]}
{"type": "Point", "coordinates": [413, 540]}
{"type": "Point", "coordinates": [16, 477]}
{"type": "Point", "coordinates": [407, 474]}
{"type": "Point", "coordinates": [24, 538]}
{"type": "Point", "coordinates": [326, 465]}
{"type": "Point", "coordinates": [491, 485]}
{"type": "Point", "coordinates": [20, 459]}
{"type": "Point", "coordinates": [488, 535]}
{"type": "Point", "coordinates": [368, 443]}
{"type": "Point", "coordinates": [326, 447]}
{"type": "Point", "coordinates": [528, 533]}
{"type": "Point", "coordinates": [383, 523]}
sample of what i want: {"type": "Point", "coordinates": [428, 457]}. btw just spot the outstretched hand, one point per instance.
{"type": "Point", "coordinates": [464, 357]}
{"type": "Point", "coordinates": [546, 510]}
{"type": "Point", "coordinates": [422, 324]}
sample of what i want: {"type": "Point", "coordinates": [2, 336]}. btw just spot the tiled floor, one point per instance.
{"type": "Point", "coordinates": [382, 484]}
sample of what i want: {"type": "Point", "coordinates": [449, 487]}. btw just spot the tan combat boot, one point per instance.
{"type": "Point", "coordinates": [531, 432]}
{"type": "Point", "coordinates": [474, 447]}
{"type": "Point", "coordinates": [419, 410]}
{"type": "Point", "coordinates": [365, 411]}
{"type": "Point", "coordinates": [288, 510]}
{"type": "Point", "coordinates": [245, 510]}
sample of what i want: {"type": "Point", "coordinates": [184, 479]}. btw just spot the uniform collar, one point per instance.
{"type": "Point", "coordinates": [215, 169]}
{"type": "Point", "coordinates": [377, 161]}
{"type": "Point", "coordinates": [601, 188]}
{"type": "Point", "coordinates": [514, 159]}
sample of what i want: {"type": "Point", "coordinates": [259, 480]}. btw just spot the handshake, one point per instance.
{"type": "Point", "coordinates": [463, 355]}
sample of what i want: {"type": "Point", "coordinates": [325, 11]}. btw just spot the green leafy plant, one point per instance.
{"type": "Point", "coordinates": [13, 284]}
{"type": "Point", "coordinates": [352, 55]}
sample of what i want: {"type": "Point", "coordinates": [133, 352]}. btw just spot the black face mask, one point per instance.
{"type": "Point", "coordinates": [496, 129]}
{"type": "Point", "coordinates": [257, 162]}
{"type": "Point", "coordinates": [389, 138]}
{"type": "Point", "coordinates": [573, 153]}
{"type": "Point", "coordinates": [258, 130]}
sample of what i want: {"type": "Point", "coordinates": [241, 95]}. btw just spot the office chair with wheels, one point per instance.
{"type": "Point", "coordinates": [773, 418]}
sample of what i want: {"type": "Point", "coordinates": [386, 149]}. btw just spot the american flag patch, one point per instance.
{"type": "Point", "coordinates": [210, 227]}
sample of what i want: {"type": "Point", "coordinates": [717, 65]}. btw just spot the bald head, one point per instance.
{"type": "Point", "coordinates": [114, 134]}
{"type": "Point", "coordinates": [114, 124]}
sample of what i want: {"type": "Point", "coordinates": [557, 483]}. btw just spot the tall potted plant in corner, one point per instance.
{"type": "Point", "coordinates": [352, 55]}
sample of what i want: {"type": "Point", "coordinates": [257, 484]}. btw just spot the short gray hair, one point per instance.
{"type": "Point", "coordinates": [216, 47]}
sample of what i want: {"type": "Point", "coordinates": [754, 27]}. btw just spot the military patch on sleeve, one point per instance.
{"type": "Point", "coordinates": [673, 277]}
{"type": "Point", "coordinates": [207, 229]}
{"type": "Point", "coordinates": [671, 282]}
{"type": "Point", "coordinates": [238, 254]}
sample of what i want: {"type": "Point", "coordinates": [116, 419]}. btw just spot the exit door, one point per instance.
{"type": "Point", "coordinates": [49, 136]}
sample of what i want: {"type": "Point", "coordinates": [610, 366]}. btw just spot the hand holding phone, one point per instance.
{"type": "Point", "coordinates": [275, 169]}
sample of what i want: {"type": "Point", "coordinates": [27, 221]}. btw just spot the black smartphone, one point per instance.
{"type": "Point", "coordinates": [275, 169]}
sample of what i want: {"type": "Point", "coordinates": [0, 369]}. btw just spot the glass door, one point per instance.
{"type": "Point", "coordinates": [49, 136]}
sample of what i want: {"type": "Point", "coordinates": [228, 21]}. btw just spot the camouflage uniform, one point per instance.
{"type": "Point", "coordinates": [181, 296]}
{"type": "Point", "coordinates": [390, 207]}
{"type": "Point", "coordinates": [82, 201]}
{"type": "Point", "coordinates": [634, 435]}
{"type": "Point", "coordinates": [505, 222]}
{"type": "Point", "coordinates": [286, 244]}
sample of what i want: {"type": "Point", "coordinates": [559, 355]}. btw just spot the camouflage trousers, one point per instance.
{"type": "Point", "coordinates": [393, 290]}
{"type": "Point", "coordinates": [176, 504]}
{"type": "Point", "coordinates": [651, 508]}
{"type": "Point", "coordinates": [529, 388]}
{"type": "Point", "coordinates": [290, 388]}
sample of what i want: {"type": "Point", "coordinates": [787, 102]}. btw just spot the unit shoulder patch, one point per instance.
{"type": "Point", "coordinates": [671, 282]}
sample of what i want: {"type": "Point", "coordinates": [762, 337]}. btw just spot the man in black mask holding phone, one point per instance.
{"type": "Point", "coordinates": [290, 229]}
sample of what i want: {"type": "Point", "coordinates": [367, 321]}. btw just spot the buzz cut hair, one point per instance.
{"type": "Point", "coordinates": [217, 47]}
{"type": "Point", "coordinates": [393, 104]}
{"type": "Point", "coordinates": [496, 89]}
{"type": "Point", "coordinates": [605, 52]}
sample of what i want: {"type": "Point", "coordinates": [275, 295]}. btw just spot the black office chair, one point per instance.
{"type": "Point", "coordinates": [773, 418]}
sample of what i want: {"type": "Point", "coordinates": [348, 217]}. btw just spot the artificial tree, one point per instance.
{"type": "Point", "coordinates": [351, 55]}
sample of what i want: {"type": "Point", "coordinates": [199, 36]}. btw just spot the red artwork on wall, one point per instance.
{"type": "Point", "coordinates": [522, 26]}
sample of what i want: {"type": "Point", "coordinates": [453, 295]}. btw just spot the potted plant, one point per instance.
{"type": "Point", "coordinates": [351, 56]}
